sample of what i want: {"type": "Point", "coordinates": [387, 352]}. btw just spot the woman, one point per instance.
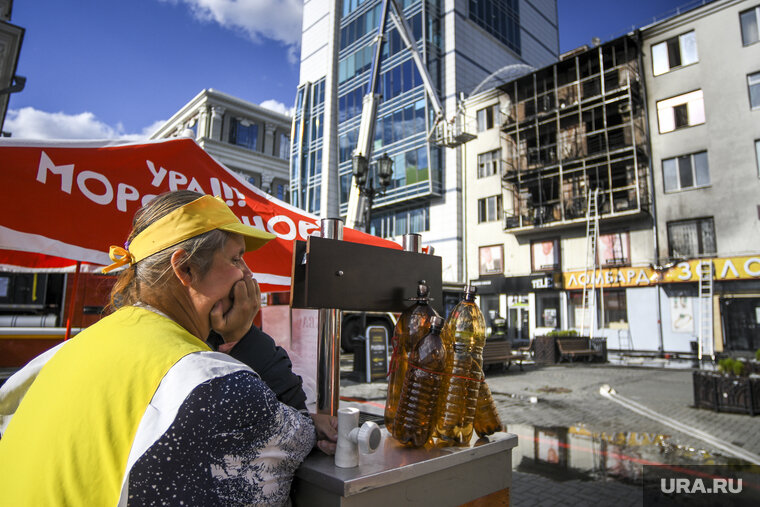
{"type": "Point", "coordinates": [137, 409]}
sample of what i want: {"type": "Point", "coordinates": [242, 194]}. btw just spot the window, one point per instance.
{"type": "Point", "coordinates": [414, 220]}
{"type": "Point", "coordinates": [545, 255]}
{"type": "Point", "coordinates": [686, 171]}
{"type": "Point", "coordinates": [753, 83]}
{"type": "Point", "coordinates": [500, 18]}
{"type": "Point", "coordinates": [284, 146]}
{"type": "Point", "coordinates": [547, 310]}
{"type": "Point", "coordinates": [491, 259]}
{"type": "Point", "coordinates": [673, 53]}
{"type": "Point", "coordinates": [757, 155]}
{"type": "Point", "coordinates": [244, 133]}
{"type": "Point", "coordinates": [692, 238]}
{"type": "Point", "coordinates": [488, 117]}
{"type": "Point", "coordinates": [489, 209]}
{"type": "Point", "coordinates": [614, 306]}
{"type": "Point", "coordinates": [488, 163]}
{"type": "Point", "coordinates": [614, 249]}
{"type": "Point", "coordinates": [748, 20]}
{"type": "Point", "coordinates": [682, 111]}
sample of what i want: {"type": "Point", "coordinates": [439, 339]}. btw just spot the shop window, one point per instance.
{"type": "Point", "coordinates": [674, 53]}
{"type": "Point", "coordinates": [491, 260]}
{"type": "Point", "coordinates": [488, 163]}
{"type": "Point", "coordinates": [547, 310]}
{"type": "Point", "coordinates": [749, 24]}
{"type": "Point", "coordinates": [489, 209]}
{"type": "Point", "coordinates": [614, 307]}
{"type": "Point", "coordinates": [682, 111]}
{"type": "Point", "coordinates": [545, 255]}
{"type": "Point", "coordinates": [691, 238]}
{"type": "Point", "coordinates": [753, 83]}
{"type": "Point", "coordinates": [614, 249]}
{"type": "Point", "coordinates": [686, 171]}
{"type": "Point", "coordinates": [489, 305]}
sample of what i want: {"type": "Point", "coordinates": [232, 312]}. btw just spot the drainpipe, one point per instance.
{"type": "Point", "coordinates": [652, 204]}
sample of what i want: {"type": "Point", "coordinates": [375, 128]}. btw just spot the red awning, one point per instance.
{"type": "Point", "coordinates": [69, 201]}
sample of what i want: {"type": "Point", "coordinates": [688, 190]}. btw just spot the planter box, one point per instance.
{"type": "Point", "coordinates": [723, 393]}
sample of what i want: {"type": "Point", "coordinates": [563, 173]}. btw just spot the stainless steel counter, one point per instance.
{"type": "Point", "coordinates": [395, 475]}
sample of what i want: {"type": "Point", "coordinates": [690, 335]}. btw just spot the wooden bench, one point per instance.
{"type": "Point", "coordinates": [570, 348]}
{"type": "Point", "coordinates": [500, 352]}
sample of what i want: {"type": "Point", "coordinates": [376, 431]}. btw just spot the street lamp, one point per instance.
{"type": "Point", "coordinates": [364, 181]}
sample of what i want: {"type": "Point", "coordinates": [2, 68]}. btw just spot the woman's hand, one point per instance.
{"type": "Point", "coordinates": [233, 324]}
{"type": "Point", "coordinates": [327, 432]}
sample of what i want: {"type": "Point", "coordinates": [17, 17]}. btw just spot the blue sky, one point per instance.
{"type": "Point", "coordinates": [118, 68]}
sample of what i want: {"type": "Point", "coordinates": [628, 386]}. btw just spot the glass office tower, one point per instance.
{"type": "Point", "coordinates": [462, 43]}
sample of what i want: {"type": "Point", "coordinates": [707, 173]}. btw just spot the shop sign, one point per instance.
{"type": "Point", "coordinates": [543, 282]}
{"type": "Point", "coordinates": [724, 269]}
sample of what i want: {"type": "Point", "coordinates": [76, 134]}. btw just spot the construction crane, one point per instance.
{"type": "Point", "coordinates": [445, 133]}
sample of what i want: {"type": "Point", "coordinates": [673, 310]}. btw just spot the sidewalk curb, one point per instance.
{"type": "Point", "coordinates": [610, 393]}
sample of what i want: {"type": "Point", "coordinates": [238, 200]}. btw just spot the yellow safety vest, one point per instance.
{"type": "Point", "coordinates": [69, 441]}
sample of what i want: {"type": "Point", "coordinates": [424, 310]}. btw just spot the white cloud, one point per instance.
{"type": "Point", "coordinates": [279, 20]}
{"type": "Point", "coordinates": [277, 107]}
{"type": "Point", "coordinates": [30, 123]}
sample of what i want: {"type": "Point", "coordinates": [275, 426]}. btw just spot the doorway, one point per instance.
{"type": "Point", "coordinates": [741, 318]}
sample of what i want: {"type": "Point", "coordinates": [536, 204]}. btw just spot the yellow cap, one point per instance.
{"type": "Point", "coordinates": [193, 219]}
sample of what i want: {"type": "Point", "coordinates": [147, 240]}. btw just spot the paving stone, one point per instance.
{"type": "Point", "coordinates": [568, 396]}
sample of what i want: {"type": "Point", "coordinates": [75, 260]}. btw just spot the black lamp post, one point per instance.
{"type": "Point", "coordinates": [364, 181]}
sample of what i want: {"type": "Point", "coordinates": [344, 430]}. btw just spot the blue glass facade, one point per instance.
{"type": "Point", "coordinates": [403, 116]}
{"type": "Point", "coordinates": [306, 151]}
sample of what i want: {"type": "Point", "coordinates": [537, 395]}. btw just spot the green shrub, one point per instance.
{"type": "Point", "coordinates": [730, 366]}
{"type": "Point", "coordinates": [757, 354]}
{"type": "Point", "coordinates": [565, 333]}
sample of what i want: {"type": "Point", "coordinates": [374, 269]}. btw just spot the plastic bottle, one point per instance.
{"type": "Point", "coordinates": [487, 420]}
{"type": "Point", "coordinates": [464, 337]}
{"type": "Point", "coordinates": [412, 325]}
{"type": "Point", "coordinates": [414, 420]}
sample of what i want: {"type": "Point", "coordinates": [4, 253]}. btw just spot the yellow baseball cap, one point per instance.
{"type": "Point", "coordinates": [193, 219]}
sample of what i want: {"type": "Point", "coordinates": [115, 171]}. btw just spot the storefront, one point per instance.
{"type": "Point", "coordinates": [633, 300]}
{"type": "Point", "coordinates": [516, 298]}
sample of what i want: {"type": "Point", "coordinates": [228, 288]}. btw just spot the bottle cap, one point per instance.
{"type": "Point", "coordinates": [436, 321]}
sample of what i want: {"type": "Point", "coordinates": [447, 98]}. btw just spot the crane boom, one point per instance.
{"type": "Point", "coordinates": [357, 201]}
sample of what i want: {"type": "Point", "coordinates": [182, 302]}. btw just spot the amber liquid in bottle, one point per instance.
{"type": "Point", "coordinates": [412, 325]}
{"type": "Point", "coordinates": [419, 394]}
{"type": "Point", "coordinates": [487, 421]}
{"type": "Point", "coordinates": [464, 337]}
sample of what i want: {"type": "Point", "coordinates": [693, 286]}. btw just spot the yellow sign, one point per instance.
{"type": "Point", "coordinates": [728, 268]}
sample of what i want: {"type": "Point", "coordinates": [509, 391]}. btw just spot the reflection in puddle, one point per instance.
{"type": "Point", "coordinates": [579, 453]}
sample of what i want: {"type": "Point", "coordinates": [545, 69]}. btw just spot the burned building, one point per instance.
{"type": "Point", "coordinates": [572, 127]}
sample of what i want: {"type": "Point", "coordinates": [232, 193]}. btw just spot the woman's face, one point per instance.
{"type": "Point", "coordinates": [227, 268]}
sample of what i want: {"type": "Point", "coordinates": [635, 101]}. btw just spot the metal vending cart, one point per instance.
{"type": "Point", "coordinates": [332, 275]}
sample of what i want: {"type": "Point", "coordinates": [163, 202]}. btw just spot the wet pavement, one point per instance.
{"type": "Point", "coordinates": [579, 447]}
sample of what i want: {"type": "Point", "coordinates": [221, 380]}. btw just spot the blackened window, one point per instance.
{"type": "Point", "coordinates": [500, 18]}
{"type": "Point", "coordinates": [681, 115]}
{"type": "Point", "coordinates": [692, 238]}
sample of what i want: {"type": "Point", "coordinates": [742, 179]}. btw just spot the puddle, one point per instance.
{"type": "Point", "coordinates": [580, 453]}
